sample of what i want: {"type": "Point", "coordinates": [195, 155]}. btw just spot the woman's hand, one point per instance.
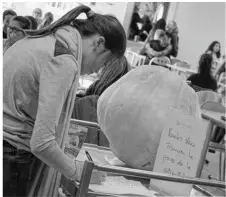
{"type": "Point", "coordinates": [97, 176]}
{"type": "Point", "coordinates": [61, 193]}
{"type": "Point", "coordinates": [145, 32]}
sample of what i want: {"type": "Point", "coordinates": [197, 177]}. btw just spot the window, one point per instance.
{"type": "Point", "coordinates": [64, 6]}
{"type": "Point", "coordinates": [160, 11]}
{"type": "Point", "coordinates": [59, 4]}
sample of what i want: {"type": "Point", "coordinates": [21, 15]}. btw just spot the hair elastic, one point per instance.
{"type": "Point", "coordinates": [90, 13]}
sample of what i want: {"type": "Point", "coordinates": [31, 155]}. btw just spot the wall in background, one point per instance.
{"type": "Point", "coordinates": [128, 16]}
{"type": "Point", "coordinates": [199, 24]}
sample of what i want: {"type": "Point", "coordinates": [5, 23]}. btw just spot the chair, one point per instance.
{"type": "Point", "coordinates": [217, 107]}
{"type": "Point", "coordinates": [174, 61]}
{"type": "Point", "coordinates": [208, 95]}
{"type": "Point", "coordinates": [162, 61]}
{"type": "Point", "coordinates": [183, 74]}
{"type": "Point", "coordinates": [197, 88]}
{"type": "Point", "coordinates": [134, 59]}
{"type": "Point", "coordinates": [213, 106]}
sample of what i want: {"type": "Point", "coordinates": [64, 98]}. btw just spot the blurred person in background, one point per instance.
{"type": "Point", "coordinates": [146, 28]}
{"type": "Point", "coordinates": [171, 30]}
{"type": "Point", "coordinates": [134, 28]}
{"type": "Point", "coordinates": [34, 24]}
{"type": "Point", "coordinates": [16, 31]}
{"type": "Point", "coordinates": [160, 24]}
{"type": "Point", "coordinates": [7, 15]}
{"type": "Point", "coordinates": [204, 77]}
{"type": "Point", "coordinates": [214, 49]}
{"type": "Point", "coordinates": [47, 20]}
{"type": "Point", "coordinates": [160, 43]}
{"type": "Point", "coordinates": [172, 33]}
{"type": "Point", "coordinates": [37, 14]}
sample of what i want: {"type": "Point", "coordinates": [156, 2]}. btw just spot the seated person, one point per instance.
{"type": "Point", "coordinates": [134, 29]}
{"type": "Point", "coordinates": [204, 78]}
{"type": "Point", "coordinates": [16, 31]}
{"type": "Point", "coordinates": [34, 24]}
{"type": "Point", "coordinates": [160, 43]}
{"type": "Point", "coordinates": [146, 28]}
{"type": "Point", "coordinates": [85, 107]}
{"type": "Point", "coordinates": [48, 19]}
{"type": "Point", "coordinates": [214, 49]}
{"type": "Point", "coordinates": [7, 15]}
{"type": "Point", "coordinates": [172, 33]}
{"type": "Point", "coordinates": [160, 24]}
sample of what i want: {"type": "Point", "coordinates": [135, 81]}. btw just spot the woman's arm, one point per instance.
{"type": "Point", "coordinates": [56, 79]}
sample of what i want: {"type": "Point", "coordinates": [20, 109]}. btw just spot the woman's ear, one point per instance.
{"type": "Point", "coordinates": [101, 42]}
{"type": "Point", "coordinates": [100, 45]}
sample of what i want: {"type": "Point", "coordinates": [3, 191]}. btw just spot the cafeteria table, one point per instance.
{"type": "Point", "coordinates": [134, 46]}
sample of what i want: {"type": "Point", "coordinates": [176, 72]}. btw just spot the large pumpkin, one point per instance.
{"type": "Point", "coordinates": [132, 112]}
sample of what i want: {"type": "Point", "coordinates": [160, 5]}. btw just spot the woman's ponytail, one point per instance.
{"type": "Point", "coordinates": [67, 19]}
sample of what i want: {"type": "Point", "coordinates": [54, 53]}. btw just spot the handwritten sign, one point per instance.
{"type": "Point", "coordinates": [179, 151]}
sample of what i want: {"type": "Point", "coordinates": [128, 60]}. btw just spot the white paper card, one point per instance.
{"type": "Point", "coordinates": [179, 151]}
{"type": "Point", "coordinates": [120, 185]}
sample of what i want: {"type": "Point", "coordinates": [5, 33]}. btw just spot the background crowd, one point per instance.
{"type": "Point", "coordinates": [162, 39]}
{"type": "Point", "coordinates": [15, 26]}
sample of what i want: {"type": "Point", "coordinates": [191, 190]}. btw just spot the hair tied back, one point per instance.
{"type": "Point", "coordinates": [90, 13]}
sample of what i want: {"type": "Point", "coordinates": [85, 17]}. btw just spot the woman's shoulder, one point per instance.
{"type": "Point", "coordinates": [71, 38]}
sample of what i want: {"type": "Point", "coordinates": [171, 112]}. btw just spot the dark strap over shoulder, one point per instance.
{"type": "Point", "coordinates": [60, 49]}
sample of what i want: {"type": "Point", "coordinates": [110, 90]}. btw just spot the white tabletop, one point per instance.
{"type": "Point", "coordinates": [182, 69]}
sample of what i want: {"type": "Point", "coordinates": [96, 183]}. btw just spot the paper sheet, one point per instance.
{"type": "Point", "coordinates": [114, 161]}
{"type": "Point", "coordinates": [179, 152]}
{"type": "Point", "coordinates": [121, 185]}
